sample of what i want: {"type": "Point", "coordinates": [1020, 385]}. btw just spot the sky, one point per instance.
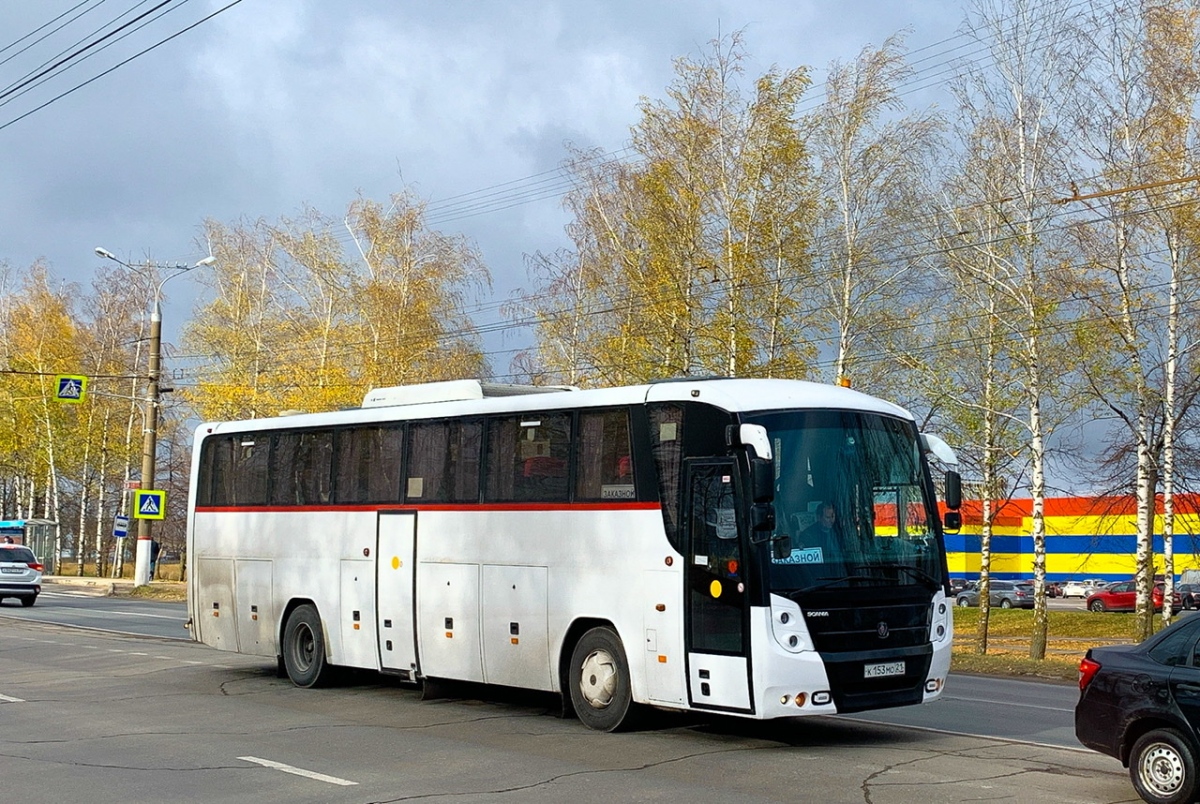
{"type": "Point", "coordinates": [247, 109]}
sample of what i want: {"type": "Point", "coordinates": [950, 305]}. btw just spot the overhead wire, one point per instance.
{"type": "Point", "coordinates": [120, 64]}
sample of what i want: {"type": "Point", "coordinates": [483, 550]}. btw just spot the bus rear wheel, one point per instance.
{"type": "Point", "coordinates": [599, 680]}
{"type": "Point", "coordinates": [304, 648]}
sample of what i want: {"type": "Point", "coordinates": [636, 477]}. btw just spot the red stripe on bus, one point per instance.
{"type": "Point", "coordinates": [597, 506]}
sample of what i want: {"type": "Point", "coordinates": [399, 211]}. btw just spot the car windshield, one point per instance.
{"type": "Point", "coordinates": [850, 495]}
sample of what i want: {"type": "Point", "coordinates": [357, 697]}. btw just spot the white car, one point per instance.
{"type": "Point", "coordinates": [1078, 588]}
{"type": "Point", "coordinates": [20, 574]}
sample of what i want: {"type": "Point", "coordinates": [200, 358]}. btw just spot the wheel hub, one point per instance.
{"type": "Point", "coordinates": [1162, 769]}
{"type": "Point", "coordinates": [598, 683]}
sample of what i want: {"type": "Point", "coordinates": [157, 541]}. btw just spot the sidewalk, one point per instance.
{"type": "Point", "coordinates": [111, 587]}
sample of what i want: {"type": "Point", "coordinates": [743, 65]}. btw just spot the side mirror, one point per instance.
{"type": "Point", "coordinates": [762, 517]}
{"type": "Point", "coordinates": [952, 521]}
{"type": "Point", "coordinates": [953, 490]}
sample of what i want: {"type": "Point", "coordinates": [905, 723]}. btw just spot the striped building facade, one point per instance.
{"type": "Point", "coordinates": [1086, 537]}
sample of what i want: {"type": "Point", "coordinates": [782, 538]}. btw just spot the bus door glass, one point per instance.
{"type": "Point", "coordinates": [718, 671]}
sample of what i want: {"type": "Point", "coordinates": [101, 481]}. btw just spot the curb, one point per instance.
{"type": "Point", "coordinates": [103, 586]}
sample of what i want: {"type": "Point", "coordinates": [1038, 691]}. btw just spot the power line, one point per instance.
{"type": "Point", "coordinates": [120, 64]}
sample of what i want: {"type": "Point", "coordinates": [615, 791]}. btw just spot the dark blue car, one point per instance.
{"type": "Point", "coordinates": [1141, 704]}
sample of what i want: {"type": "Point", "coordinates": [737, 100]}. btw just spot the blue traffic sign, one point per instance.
{"type": "Point", "coordinates": [70, 388]}
{"type": "Point", "coordinates": [149, 504]}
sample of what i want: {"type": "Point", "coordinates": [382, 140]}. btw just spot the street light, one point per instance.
{"type": "Point", "coordinates": [141, 567]}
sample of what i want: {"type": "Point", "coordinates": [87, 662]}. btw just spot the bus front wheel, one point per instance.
{"type": "Point", "coordinates": [599, 679]}
{"type": "Point", "coordinates": [304, 648]}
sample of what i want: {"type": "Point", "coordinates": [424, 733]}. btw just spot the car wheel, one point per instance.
{"type": "Point", "coordinates": [1097, 605]}
{"type": "Point", "coordinates": [1006, 603]}
{"type": "Point", "coordinates": [962, 602]}
{"type": "Point", "coordinates": [304, 648]}
{"type": "Point", "coordinates": [28, 601]}
{"type": "Point", "coordinates": [1162, 766]}
{"type": "Point", "coordinates": [599, 680]}
{"type": "Point", "coordinates": [1188, 604]}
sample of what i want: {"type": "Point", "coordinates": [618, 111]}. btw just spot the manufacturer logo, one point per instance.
{"type": "Point", "coordinates": [882, 630]}
{"type": "Point", "coordinates": [817, 614]}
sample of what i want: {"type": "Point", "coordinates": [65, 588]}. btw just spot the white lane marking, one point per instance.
{"type": "Point", "coordinates": [320, 777]}
{"type": "Point", "coordinates": [1010, 703]}
{"type": "Point", "coordinates": [121, 613]}
{"type": "Point", "coordinates": [8, 699]}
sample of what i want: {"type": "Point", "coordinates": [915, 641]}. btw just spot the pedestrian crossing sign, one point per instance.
{"type": "Point", "coordinates": [70, 388]}
{"type": "Point", "coordinates": [149, 504]}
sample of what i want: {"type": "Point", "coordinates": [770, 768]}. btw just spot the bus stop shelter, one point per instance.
{"type": "Point", "coordinates": [38, 535]}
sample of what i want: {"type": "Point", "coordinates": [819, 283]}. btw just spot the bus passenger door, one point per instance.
{"type": "Point", "coordinates": [718, 664]}
{"type": "Point", "coordinates": [395, 567]}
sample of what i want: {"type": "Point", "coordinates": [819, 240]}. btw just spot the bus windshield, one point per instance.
{"type": "Point", "coordinates": [850, 495]}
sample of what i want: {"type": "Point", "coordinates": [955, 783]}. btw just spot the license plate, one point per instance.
{"type": "Point", "coordinates": [882, 670]}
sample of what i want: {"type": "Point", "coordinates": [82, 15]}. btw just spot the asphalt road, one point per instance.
{"type": "Point", "coordinates": [90, 716]}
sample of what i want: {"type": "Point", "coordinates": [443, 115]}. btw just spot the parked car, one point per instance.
{"type": "Point", "coordinates": [20, 574]}
{"type": "Point", "coordinates": [1053, 589]}
{"type": "Point", "coordinates": [1190, 592]}
{"type": "Point", "coordinates": [1005, 594]}
{"type": "Point", "coordinates": [1139, 703]}
{"type": "Point", "coordinates": [1123, 597]}
{"type": "Point", "coordinates": [957, 585]}
{"type": "Point", "coordinates": [1079, 588]}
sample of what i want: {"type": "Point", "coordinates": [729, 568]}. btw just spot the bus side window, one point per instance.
{"type": "Point", "coordinates": [367, 464]}
{"type": "Point", "coordinates": [527, 458]}
{"type": "Point", "coordinates": [216, 472]}
{"type": "Point", "coordinates": [428, 447]}
{"type": "Point", "coordinates": [301, 463]}
{"type": "Point", "coordinates": [247, 482]}
{"type": "Point", "coordinates": [604, 468]}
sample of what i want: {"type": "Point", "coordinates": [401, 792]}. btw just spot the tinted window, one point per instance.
{"type": "Point", "coordinates": [301, 466]}
{"type": "Point", "coordinates": [240, 469]}
{"type": "Point", "coordinates": [528, 458]}
{"type": "Point", "coordinates": [604, 462]}
{"type": "Point", "coordinates": [443, 461]}
{"type": "Point", "coordinates": [666, 442]}
{"type": "Point", "coordinates": [1175, 647]}
{"type": "Point", "coordinates": [367, 467]}
{"type": "Point", "coordinates": [18, 554]}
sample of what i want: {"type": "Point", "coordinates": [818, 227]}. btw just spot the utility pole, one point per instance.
{"type": "Point", "coordinates": [145, 538]}
{"type": "Point", "coordinates": [141, 565]}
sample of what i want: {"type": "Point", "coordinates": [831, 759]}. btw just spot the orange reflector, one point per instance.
{"type": "Point", "coordinates": [662, 659]}
{"type": "Point", "coordinates": [253, 616]}
{"type": "Point", "coordinates": [449, 635]}
{"type": "Point", "coordinates": [216, 614]}
{"type": "Point", "coordinates": [515, 641]}
{"type": "Point", "coordinates": [661, 607]}
{"type": "Point", "coordinates": [801, 697]}
{"type": "Point", "coordinates": [356, 626]}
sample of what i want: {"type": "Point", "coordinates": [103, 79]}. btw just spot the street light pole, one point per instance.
{"type": "Point", "coordinates": [141, 567]}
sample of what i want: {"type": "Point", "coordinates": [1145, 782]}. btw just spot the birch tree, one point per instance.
{"type": "Point", "coordinates": [1017, 103]}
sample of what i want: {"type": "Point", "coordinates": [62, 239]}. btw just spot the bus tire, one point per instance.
{"type": "Point", "coordinates": [599, 680]}
{"type": "Point", "coordinates": [304, 648]}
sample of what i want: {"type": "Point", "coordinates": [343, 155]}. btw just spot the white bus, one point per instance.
{"type": "Point", "coordinates": [760, 548]}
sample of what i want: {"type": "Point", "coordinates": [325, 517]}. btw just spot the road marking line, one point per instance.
{"type": "Point", "coordinates": [320, 777]}
{"type": "Point", "coordinates": [8, 699]}
{"type": "Point", "coordinates": [1010, 703]}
